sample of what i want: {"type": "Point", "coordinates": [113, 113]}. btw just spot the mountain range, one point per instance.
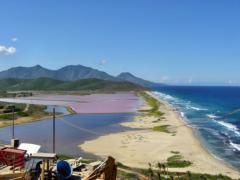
{"type": "Point", "coordinates": [71, 73]}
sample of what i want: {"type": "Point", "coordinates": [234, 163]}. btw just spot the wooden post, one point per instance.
{"type": "Point", "coordinates": [13, 123]}
{"type": "Point", "coordinates": [48, 172]}
{"type": "Point", "coordinates": [54, 124]}
{"type": "Point", "coordinates": [48, 164]}
{"type": "Point", "coordinates": [43, 170]}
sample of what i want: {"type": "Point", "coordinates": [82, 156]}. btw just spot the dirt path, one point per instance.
{"type": "Point", "coordinates": [26, 108]}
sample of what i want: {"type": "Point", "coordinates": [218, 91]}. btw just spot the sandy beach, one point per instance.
{"type": "Point", "coordinates": [137, 148]}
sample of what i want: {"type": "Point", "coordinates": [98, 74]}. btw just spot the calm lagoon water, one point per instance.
{"type": "Point", "coordinates": [71, 130]}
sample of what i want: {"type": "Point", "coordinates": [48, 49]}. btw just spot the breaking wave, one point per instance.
{"type": "Point", "coordinates": [235, 146]}
{"type": "Point", "coordinates": [164, 96]}
{"type": "Point", "coordinates": [182, 114]}
{"type": "Point", "coordinates": [229, 126]}
{"type": "Point", "coordinates": [212, 116]}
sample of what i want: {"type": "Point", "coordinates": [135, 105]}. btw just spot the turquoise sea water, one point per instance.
{"type": "Point", "coordinates": [214, 112]}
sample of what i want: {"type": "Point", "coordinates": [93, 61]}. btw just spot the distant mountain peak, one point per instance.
{"type": "Point", "coordinates": [127, 76]}
{"type": "Point", "coordinates": [37, 67]}
{"type": "Point", "coordinates": [74, 66]}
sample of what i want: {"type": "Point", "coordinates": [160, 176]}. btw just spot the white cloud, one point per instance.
{"type": "Point", "coordinates": [103, 62]}
{"type": "Point", "coordinates": [7, 50]}
{"type": "Point", "coordinates": [190, 80]}
{"type": "Point", "coordinates": [164, 78]}
{"type": "Point", "coordinates": [14, 39]}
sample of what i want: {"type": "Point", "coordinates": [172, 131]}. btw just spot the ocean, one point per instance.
{"type": "Point", "coordinates": [214, 114]}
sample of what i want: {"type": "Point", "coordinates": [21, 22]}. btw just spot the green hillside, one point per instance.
{"type": "Point", "coordinates": [42, 84]}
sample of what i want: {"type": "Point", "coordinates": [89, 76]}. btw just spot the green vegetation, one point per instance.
{"type": "Point", "coordinates": [121, 165]}
{"type": "Point", "coordinates": [153, 103]}
{"type": "Point", "coordinates": [64, 157]}
{"type": "Point", "coordinates": [175, 152]}
{"type": "Point", "coordinates": [156, 121]}
{"type": "Point", "coordinates": [70, 110]}
{"type": "Point", "coordinates": [176, 161]}
{"type": "Point", "coordinates": [5, 94]}
{"type": "Point", "coordinates": [162, 128]}
{"type": "Point", "coordinates": [22, 114]}
{"type": "Point", "coordinates": [21, 110]}
{"type": "Point", "coordinates": [160, 172]}
{"type": "Point", "coordinates": [6, 110]}
{"type": "Point", "coordinates": [37, 110]}
{"type": "Point", "coordinates": [126, 175]}
{"type": "Point", "coordinates": [6, 116]}
{"type": "Point", "coordinates": [47, 84]}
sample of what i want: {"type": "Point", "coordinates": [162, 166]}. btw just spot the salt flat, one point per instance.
{"type": "Point", "coordinates": [120, 102]}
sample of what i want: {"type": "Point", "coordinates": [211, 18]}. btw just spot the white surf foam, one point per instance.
{"type": "Point", "coordinates": [235, 146]}
{"type": "Point", "coordinates": [164, 96]}
{"type": "Point", "coordinates": [212, 116]}
{"type": "Point", "coordinates": [216, 157]}
{"type": "Point", "coordinates": [197, 108]}
{"type": "Point", "coordinates": [229, 126]}
{"type": "Point", "coordinates": [182, 114]}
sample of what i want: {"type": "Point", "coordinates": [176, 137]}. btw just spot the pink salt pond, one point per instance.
{"type": "Point", "coordinates": [94, 103]}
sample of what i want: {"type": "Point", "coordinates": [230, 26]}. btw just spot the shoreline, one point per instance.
{"type": "Point", "coordinates": [31, 119]}
{"type": "Point", "coordinates": [195, 133]}
{"type": "Point", "coordinates": [139, 147]}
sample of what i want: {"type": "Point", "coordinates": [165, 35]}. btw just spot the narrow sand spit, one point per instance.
{"type": "Point", "coordinates": [139, 147]}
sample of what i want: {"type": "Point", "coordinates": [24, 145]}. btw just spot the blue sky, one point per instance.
{"type": "Point", "coordinates": [171, 41]}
